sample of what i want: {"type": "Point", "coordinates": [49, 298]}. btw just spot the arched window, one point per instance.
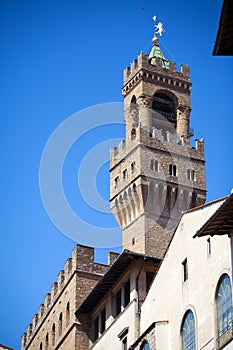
{"type": "Point", "coordinates": [41, 346]}
{"type": "Point", "coordinates": [53, 333]}
{"type": "Point", "coordinates": [133, 134]}
{"type": "Point", "coordinates": [46, 341]}
{"type": "Point", "coordinates": [165, 106]}
{"type": "Point", "coordinates": [67, 313]}
{"type": "Point", "coordinates": [224, 309]}
{"type": "Point", "coordinates": [60, 323]}
{"type": "Point", "coordinates": [145, 346]}
{"type": "Point", "coordinates": [133, 100]}
{"type": "Point", "coordinates": [188, 332]}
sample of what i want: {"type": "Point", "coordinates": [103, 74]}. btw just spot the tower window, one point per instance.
{"type": "Point", "coordinates": [172, 169]}
{"type": "Point", "coordinates": [191, 174]}
{"type": "Point", "coordinates": [185, 269]}
{"type": "Point", "coordinates": [133, 134]}
{"type": "Point", "coordinates": [53, 333]}
{"type": "Point", "coordinates": [154, 165]}
{"type": "Point", "coordinates": [46, 341]}
{"type": "Point", "coordinates": [165, 106]}
{"type": "Point", "coordinates": [116, 181]}
{"type": "Point", "coordinates": [133, 166]}
{"type": "Point", "coordinates": [67, 313]}
{"type": "Point", "coordinates": [125, 174]}
{"type": "Point", "coordinates": [60, 324]}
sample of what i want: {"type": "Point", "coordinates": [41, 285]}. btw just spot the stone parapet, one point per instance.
{"type": "Point", "coordinates": [155, 139]}
{"type": "Point", "coordinates": [141, 68]}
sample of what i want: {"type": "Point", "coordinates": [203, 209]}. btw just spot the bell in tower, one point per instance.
{"type": "Point", "coordinates": [154, 174]}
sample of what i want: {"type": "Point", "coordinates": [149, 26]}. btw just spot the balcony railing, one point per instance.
{"type": "Point", "coordinates": [169, 116]}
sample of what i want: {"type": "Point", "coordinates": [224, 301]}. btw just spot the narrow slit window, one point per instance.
{"type": "Point", "coordinates": [185, 269]}
{"type": "Point", "coordinates": [208, 246]}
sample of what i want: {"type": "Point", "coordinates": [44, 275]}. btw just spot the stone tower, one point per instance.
{"type": "Point", "coordinates": [154, 173]}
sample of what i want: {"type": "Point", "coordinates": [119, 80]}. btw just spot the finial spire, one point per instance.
{"type": "Point", "coordinates": [158, 29]}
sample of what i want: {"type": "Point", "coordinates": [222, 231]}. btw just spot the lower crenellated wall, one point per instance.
{"type": "Point", "coordinates": [55, 325]}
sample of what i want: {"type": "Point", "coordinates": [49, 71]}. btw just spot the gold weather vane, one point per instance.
{"type": "Point", "coordinates": [158, 30]}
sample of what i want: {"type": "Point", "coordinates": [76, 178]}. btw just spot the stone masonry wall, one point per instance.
{"type": "Point", "coordinates": [55, 325]}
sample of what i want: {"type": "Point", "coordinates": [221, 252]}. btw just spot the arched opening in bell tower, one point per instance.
{"type": "Point", "coordinates": [165, 105]}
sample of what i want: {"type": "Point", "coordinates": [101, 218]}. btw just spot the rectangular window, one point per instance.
{"type": "Point", "coordinates": [149, 278]}
{"type": "Point", "coordinates": [118, 302]}
{"type": "Point", "coordinates": [127, 293]}
{"type": "Point", "coordinates": [172, 169]}
{"type": "Point", "coordinates": [191, 174]}
{"type": "Point", "coordinates": [185, 270]}
{"type": "Point", "coordinates": [96, 329]}
{"type": "Point", "coordinates": [103, 320]}
{"type": "Point", "coordinates": [154, 165]}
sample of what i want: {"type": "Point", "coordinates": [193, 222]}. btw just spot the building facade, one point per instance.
{"type": "Point", "coordinates": [171, 287]}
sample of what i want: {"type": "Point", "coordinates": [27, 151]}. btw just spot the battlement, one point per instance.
{"type": "Point", "coordinates": [142, 63]}
{"type": "Point", "coordinates": [82, 260]}
{"type": "Point", "coordinates": [169, 142]}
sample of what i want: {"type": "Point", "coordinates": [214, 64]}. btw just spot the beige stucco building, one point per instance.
{"type": "Point", "coordinates": [170, 288]}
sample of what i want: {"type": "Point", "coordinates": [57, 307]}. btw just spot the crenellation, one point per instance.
{"type": "Point", "coordinates": [100, 268]}
{"type": "Point", "coordinates": [34, 321]}
{"type": "Point", "coordinates": [121, 146]}
{"type": "Point", "coordinates": [54, 289]}
{"type": "Point", "coordinates": [24, 340]}
{"type": "Point", "coordinates": [29, 332]}
{"type": "Point", "coordinates": [47, 301]}
{"type": "Point", "coordinates": [172, 66]}
{"type": "Point", "coordinates": [156, 139]}
{"type": "Point", "coordinates": [68, 268]}
{"type": "Point", "coordinates": [61, 279]}
{"type": "Point", "coordinates": [82, 258]}
{"type": "Point", "coordinates": [185, 70]}
{"type": "Point", "coordinates": [112, 256]}
{"type": "Point", "coordinates": [200, 145]}
{"type": "Point", "coordinates": [142, 64]}
{"type": "Point", "coordinates": [41, 311]}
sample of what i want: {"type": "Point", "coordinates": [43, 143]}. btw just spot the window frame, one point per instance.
{"type": "Point", "coordinates": [226, 333]}
{"type": "Point", "coordinates": [193, 341]}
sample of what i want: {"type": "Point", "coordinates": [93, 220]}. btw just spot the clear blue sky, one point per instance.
{"type": "Point", "coordinates": [58, 57]}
